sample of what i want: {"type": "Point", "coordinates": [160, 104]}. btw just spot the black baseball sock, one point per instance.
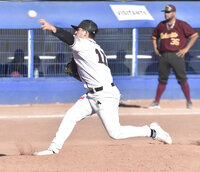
{"type": "Point", "coordinates": [153, 133]}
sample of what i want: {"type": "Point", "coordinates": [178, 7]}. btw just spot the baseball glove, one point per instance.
{"type": "Point", "coordinates": [71, 69]}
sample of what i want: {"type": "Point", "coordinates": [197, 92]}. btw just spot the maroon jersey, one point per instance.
{"type": "Point", "coordinates": [173, 39]}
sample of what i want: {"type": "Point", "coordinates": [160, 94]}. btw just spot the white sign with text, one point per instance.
{"type": "Point", "coordinates": [131, 12]}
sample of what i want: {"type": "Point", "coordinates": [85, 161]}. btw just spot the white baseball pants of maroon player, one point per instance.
{"type": "Point", "coordinates": [105, 104]}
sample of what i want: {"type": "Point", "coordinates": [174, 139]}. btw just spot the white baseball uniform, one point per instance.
{"type": "Point", "coordinates": [102, 97]}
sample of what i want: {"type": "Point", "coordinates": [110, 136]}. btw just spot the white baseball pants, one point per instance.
{"type": "Point", "coordinates": [107, 109]}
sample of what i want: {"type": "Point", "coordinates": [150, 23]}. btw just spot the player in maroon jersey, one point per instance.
{"type": "Point", "coordinates": [174, 44]}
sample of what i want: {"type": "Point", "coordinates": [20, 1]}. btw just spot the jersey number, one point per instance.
{"type": "Point", "coordinates": [102, 56]}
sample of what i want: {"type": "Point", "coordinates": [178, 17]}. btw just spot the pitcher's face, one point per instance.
{"type": "Point", "coordinates": [81, 33]}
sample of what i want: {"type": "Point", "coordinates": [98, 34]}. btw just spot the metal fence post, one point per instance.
{"type": "Point", "coordinates": [135, 52]}
{"type": "Point", "coordinates": [30, 52]}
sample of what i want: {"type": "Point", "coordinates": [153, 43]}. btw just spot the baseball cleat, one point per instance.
{"type": "Point", "coordinates": [154, 105]}
{"type": "Point", "coordinates": [189, 104]}
{"type": "Point", "coordinates": [161, 135]}
{"type": "Point", "coordinates": [45, 152]}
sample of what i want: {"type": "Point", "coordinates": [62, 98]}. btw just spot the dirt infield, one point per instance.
{"type": "Point", "coordinates": [28, 128]}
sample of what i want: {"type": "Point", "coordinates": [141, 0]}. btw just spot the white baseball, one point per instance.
{"type": "Point", "coordinates": [32, 13]}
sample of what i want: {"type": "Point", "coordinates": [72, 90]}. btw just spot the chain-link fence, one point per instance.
{"type": "Point", "coordinates": [51, 55]}
{"type": "Point", "coordinates": [13, 49]}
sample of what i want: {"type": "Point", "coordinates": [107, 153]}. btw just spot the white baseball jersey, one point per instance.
{"type": "Point", "coordinates": [92, 63]}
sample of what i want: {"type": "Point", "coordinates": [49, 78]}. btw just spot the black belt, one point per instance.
{"type": "Point", "coordinates": [93, 90]}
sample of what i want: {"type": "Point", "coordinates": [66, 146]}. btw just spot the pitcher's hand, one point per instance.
{"type": "Point", "coordinates": [47, 26]}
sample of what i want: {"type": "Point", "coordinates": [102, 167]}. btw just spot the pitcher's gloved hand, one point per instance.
{"type": "Point", "coordinates": [71, 69]}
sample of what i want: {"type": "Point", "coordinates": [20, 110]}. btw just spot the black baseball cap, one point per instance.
{"type": "Point", "coordinates": [169, 8]}
{"type": "Point", "coordinates": [88, 25]}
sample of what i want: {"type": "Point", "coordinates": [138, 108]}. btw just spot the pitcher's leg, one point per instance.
{"type": "Point", "coordinates": [78, 111]}
{"type": "Point", "coordinates": [110, 118]}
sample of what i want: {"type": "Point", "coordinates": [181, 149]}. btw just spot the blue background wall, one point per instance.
{"type": "Point", "coordinates": [31, 91]}
{"type": "Point", "coordinates": [63, 14]}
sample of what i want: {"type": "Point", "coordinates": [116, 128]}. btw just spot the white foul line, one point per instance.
{"type": "Point", "coordinates": [30, 116]}
{"type": "Point", "coordinates": [120, 113]}
{"type": "Point", "coordinates": [160, 113]}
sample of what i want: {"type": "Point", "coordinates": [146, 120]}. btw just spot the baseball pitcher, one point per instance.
{"type": "Point", "coordinates": [102, 95]}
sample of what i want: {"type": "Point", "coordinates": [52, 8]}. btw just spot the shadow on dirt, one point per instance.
{"type": "Point", "coordinates": [133, 106]}
{"type": "Point", "coordinates": [2, 154]}
{"type": "Point", "coordinates": [197, 143]}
